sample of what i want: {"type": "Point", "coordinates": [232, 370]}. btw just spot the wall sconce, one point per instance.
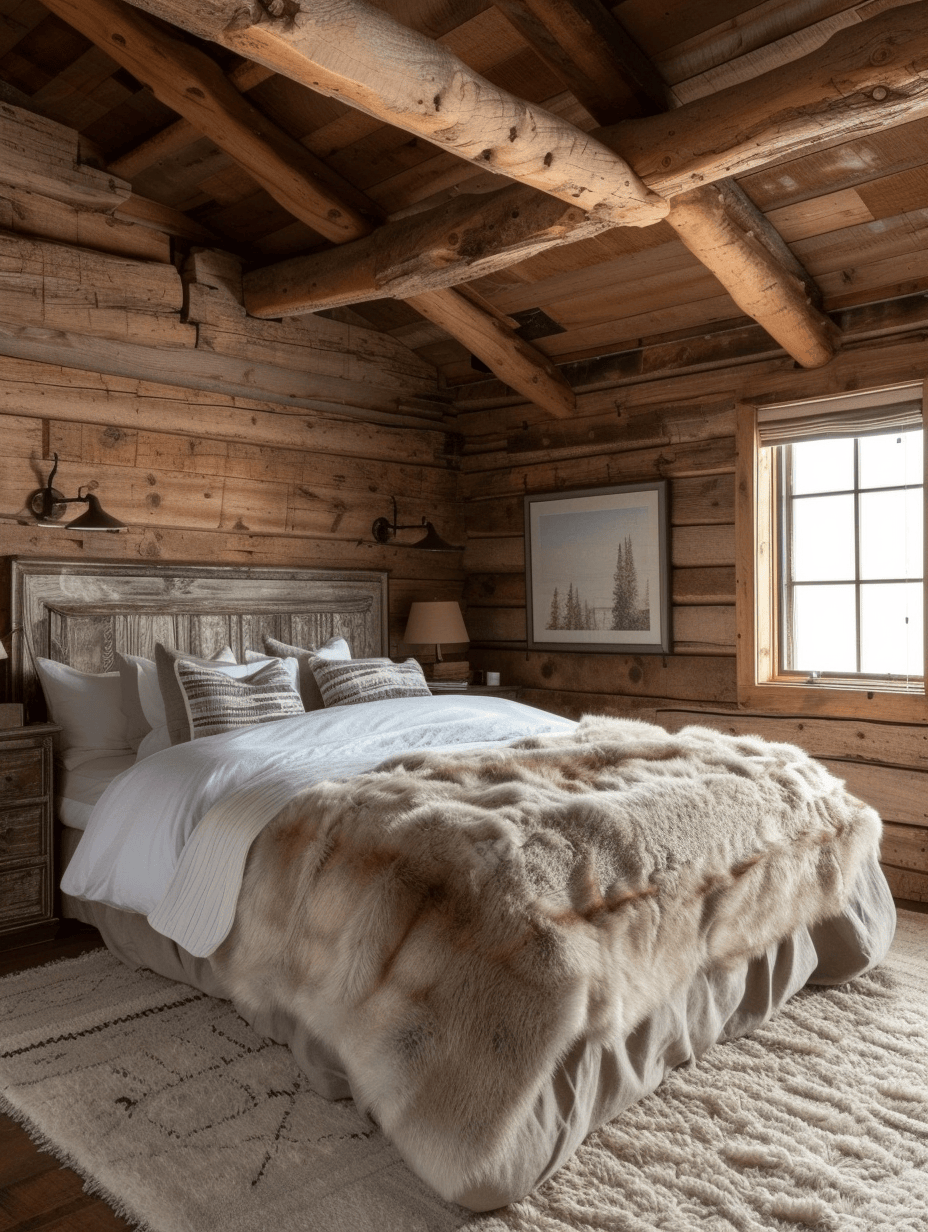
{"type": "Point", "coordinates": [48, 506]}
{"type": "Point", "coordinates": [384, 530]}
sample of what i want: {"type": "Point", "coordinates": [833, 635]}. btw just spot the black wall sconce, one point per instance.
{"type": "Point", "coordinates": [48, 506]}
{"type": "Point", "coordinates": [384, 530]}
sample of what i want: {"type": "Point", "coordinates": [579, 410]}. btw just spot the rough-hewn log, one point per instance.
{"type": "Point", "coordinates": [863, 80]}
{"type": "Point", "coordinates": [188, 81]}
{"type": "Point", "coordinates": [754, 278]}
{"type": "Point", "coordinates": [463, 239]}
{"type": "Point", "coordinates": [354, 52]}
{"type": "Point", "coordinates": [524, 367]}
{"type": "Point", "coordinates": [182, 133]}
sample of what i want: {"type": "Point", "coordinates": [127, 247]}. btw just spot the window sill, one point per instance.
{"type": "Point", "coordinates": [789, 696]}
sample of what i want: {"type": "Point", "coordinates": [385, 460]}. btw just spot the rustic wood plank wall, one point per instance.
{"type": "Point", "coordinates": [201, 473]}
{"type": "Point", "coordinates": [682, 429]}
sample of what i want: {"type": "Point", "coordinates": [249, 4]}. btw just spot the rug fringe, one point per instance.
{"type": "Point", "coordinates": [92, 1186]}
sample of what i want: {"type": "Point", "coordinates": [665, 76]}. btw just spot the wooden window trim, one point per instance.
{"type": "Point", "coordinates": [756, 607]}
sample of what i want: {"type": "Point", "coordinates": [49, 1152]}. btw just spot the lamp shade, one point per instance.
{"type": "Point", "coordinates": [3, 654]}
{"type": "Point", "coordinates": [435, 622]}
{"type": "Point", "coordinates": [95, 517]}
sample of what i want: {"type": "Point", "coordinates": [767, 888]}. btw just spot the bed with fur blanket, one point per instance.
{"type": "Point", "coordinates": [504, 948]}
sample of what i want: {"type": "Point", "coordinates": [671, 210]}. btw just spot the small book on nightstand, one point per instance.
{"type": "Point", "coordinates": [446, 671]}
{"type": "Point", "coordinates": [447, 686]}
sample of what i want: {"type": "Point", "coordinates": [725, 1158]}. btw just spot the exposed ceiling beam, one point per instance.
{"type": "Point", "coordinates": [496, 343]}
{"type": "Point", "coordinates": [865, 79]}
{"type": "Point", "coordinates": [349, 50]}
{"type": "Point", "coordinates": [718, 224]}
{"type": "Point", "coordinates": [190, 83]}
{"type": "Point", "coordinates": [467, 239]}
{"type": "Point", "coordinates": [181, 133]}
{"type": "Point", "coordinates": [459, 241]}
{"type": "Point", "coordinates": [755, 279]}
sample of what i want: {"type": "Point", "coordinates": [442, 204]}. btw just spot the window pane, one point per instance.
{"type": "Point", "coordinates": [823, 466]}
{"type": "Point", "coordinates": [891, 534]}
{"type": "Point", "coordinates": [891, 629]}
{"type": "Point", "coordinates": [824, 629]}
{"type": "Point", "coordinates": [823, 539]}
{"type": "Point", "coordinates": [889, 460]}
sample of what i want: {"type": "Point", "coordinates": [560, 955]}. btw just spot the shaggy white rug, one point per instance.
{"type": "Point", "coordinates": [188, 1122]}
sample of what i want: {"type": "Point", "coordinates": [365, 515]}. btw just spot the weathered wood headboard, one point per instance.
{"type": "Point", "coordinates": [83, 613]}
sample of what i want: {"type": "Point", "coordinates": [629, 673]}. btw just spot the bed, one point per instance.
{"type": "Point", "coordinates": [492, 927]}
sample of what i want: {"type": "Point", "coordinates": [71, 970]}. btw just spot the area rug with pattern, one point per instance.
{"type": "Point", "coordinates": [185, 1120]}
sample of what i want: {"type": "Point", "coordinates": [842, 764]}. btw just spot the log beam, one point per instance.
{"type": "Point", "coordinates": [349, 50]}
{"type": "Point", "coordinates": [190, 83]}
{"type": "Point", "coordinates": [181, 133]}
{"type": "Point", "coordinates": [461, 240]}
{"type": "Point", "coordinates": [865, 79]}
{"type": "Point", "coordinates": [754, 278]}
{"type": "Point", "coordinates": [500, 348]}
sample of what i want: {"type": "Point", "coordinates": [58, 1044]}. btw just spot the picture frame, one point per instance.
{"type": "Point", "coordinates": [597, 569]}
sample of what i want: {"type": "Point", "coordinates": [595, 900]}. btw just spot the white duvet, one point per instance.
{"type": "Point", "coordinates": [145, 851]}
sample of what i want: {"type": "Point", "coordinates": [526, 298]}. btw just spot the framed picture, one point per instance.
{"type": "Point", "coordinates": [597, 571]}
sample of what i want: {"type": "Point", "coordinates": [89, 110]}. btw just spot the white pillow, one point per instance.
{"type": "Point", "coordinates": [87, 707]}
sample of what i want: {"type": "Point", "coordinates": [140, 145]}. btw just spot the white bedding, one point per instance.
{"type": "Point", "coordinates": [130, 855]}
{"type": "Point", "coordinates": [80, 782]}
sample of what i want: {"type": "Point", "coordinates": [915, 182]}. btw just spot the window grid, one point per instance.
{"type": "Point", "coordinates": [787, 501]}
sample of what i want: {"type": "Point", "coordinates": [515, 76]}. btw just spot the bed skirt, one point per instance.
{"type": "Point", "coordinates": [593, 1082]}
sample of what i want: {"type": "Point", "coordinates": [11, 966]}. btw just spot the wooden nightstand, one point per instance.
{"type": "Point", "coordinates": [26, 849]}
{"type": "Point", "coordinates": [512, 692]}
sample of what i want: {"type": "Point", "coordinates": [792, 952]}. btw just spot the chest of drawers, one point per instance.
{"type": "Point", "coordinates": [26, 855]}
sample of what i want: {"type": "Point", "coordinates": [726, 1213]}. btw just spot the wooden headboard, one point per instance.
{"type": "Point", "coordinates": [83, 613]}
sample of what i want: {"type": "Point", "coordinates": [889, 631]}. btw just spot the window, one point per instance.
{"type": "Point", "coordinates": [831, 548]}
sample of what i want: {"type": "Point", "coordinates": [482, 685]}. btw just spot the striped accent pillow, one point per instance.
{"type": "Point", "coordinates": [344, 683]}
{"type": "Point", "coordinates": [217, 702]}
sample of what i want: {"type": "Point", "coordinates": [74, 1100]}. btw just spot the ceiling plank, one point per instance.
{"type": "Point", "coordinates": [592, 54]}
{"type": "Point", "coordinates": [181, 133]}
{"type": "Point", "coordinates": [190, 83]}
{"type": "Point", "coordinates": [349, 50]}
{"type": "Point", "coordinates": [501, 349]}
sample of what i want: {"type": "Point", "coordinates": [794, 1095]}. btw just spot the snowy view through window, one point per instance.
{"type": "Point", "coordinates": [851, 524]}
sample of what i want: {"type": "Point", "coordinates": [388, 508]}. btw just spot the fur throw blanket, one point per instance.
{"type": "Point", "coordinates": [450, 923]}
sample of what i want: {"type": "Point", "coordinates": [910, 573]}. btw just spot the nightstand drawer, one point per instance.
{"type": "Point", "coordinates": [22, 832]}
{"type": "Point", "coordinates": [22, 895]}
{"type": "Point", "coordinates": [21, 774]}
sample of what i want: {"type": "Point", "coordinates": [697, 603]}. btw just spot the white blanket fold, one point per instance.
{"type": "Point", "coordinates": [450, 924]}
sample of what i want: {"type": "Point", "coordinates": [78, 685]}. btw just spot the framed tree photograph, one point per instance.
{"type": "Point", "coordinates": [597, 574]}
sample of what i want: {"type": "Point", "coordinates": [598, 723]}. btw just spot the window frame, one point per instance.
{"type": "Point", "coordinates": [761, 685]}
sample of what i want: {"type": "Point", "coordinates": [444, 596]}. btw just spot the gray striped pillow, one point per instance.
{"type": "Point", "coordinates": [217, 702]}
{"type": "Point", "coordinates": [344, 683]}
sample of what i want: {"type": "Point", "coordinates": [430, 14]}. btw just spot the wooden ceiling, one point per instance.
{"type": "Point", "coordinates": [847, 190]}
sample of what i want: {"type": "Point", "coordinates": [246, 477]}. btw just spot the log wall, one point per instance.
{"type": "Point", "coordinates": [133, 361]}
{"type": "Point", "coordinates": [681, 429]}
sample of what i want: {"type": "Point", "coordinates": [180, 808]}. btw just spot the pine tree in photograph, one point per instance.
{"type": "Point", "coordinates": [554, 616]}
{"type": "Point", "coordinates": [625, 611]}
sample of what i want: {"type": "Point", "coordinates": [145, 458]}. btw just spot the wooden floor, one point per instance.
{"type": "Point", "coordinates": [36, 1193]}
